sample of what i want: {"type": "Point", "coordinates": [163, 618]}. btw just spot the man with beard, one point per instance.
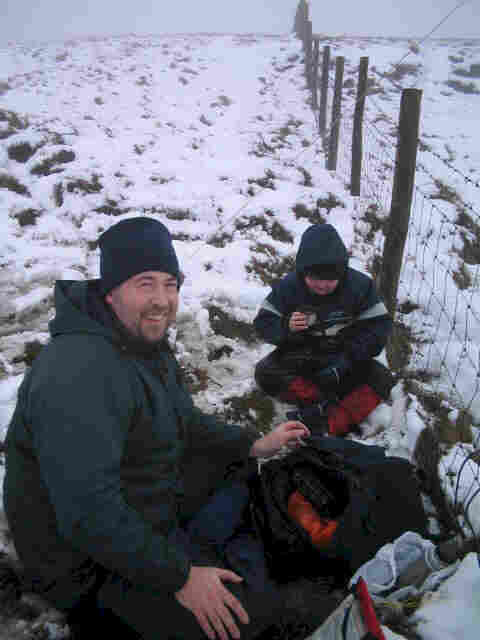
{"type": "Point", "coordinates": [108, 460]}
{"type": "Point", "coordinates": [328, 324]}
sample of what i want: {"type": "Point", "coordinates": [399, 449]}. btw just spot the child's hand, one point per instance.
{"type": "Point", "coordinates": [297, 322]}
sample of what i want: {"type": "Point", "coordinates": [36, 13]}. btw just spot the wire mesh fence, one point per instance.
{"type": "Point", "coordinates": [438, 305]}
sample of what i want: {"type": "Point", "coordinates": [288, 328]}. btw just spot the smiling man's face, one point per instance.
{"type": "Point", "coordinates": [146, 304]}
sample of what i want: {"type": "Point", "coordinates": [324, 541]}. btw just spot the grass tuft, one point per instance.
{"type": "Point", "coordinates": [84, 186]}
{"type": "Point", "coordinates": [275, 230]}
{"type": "Point", "coordinates": [27, 217]}
{"type": "Point", "coordinates": [269, 266]}
{"type": "Point", "coordinates": [375, 222]}
{"type": "Point", "coordinates": [463, 87]}
{"type": "Point", "coordinates": [226, 325]}
{"type": "Point", "coordinates": [220, 240]}
{"type": "Point", "coordinates": [239, 409]}
{"type": "Point", "coordinates": [21, 152]}
{"type": "Point", "coordinates": [462, 277]}
{"type": "Point", "coordinates": [49, 165]}
{"type": "Point", "coordinates": [12, 184]}
{"type": "Point", "coordinates": [267, 182]}
{"type": "Point", "coordinates": [58, 194]}
{"type": "Point", "coordinates": [14, 123]}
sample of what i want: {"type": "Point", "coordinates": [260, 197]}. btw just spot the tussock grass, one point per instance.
{"type": "Point", "coordinates": [226, 325]}
{"type": "Point", "coordinates": [21, 152]}
{"type": "Point", "coordinates": [267, 265]}
{"type": "Point", "coordinates": [375, 222]}
{"type": "Point", "coordinates": [11, 183]}
{"type": "Point", "coordinates": [50, 165]}
{"type": "Point", "coordinates": [239, 409]}
{"type": "Point", "coordinates": [85, 186]}
{"type": "Point", "coordinates": [14, 122]}
{"type": "Point", "coordinates": [273, 228]}
{"type": "Point", "coordinates": [463, 87]}
{"type": "Point", "coordinates": [27, 217]}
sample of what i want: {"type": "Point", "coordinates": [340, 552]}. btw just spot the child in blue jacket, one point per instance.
{"type": "Point", "coordinates": [328, 324]}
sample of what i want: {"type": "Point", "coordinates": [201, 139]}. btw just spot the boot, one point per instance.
{"type": "Point", "coordinates": [352, 410]}
{"type": "Point", "coordinates": [301, 392]}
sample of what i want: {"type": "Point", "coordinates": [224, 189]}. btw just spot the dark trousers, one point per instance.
{"type": "Point", "coordinates": [216, 536]}
{"type": "Point", "coordinates": [161, 617]}
{"type": "Point", "coordinates": [279, 368]}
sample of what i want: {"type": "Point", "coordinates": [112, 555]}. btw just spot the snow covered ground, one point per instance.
{"type": "Point", "coordinates": [214, 136]}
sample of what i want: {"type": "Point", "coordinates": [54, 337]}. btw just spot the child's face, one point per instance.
{"type": "Point", "coordinates": [320, 287]}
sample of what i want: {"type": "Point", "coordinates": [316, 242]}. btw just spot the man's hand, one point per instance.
{"type": "Point", "coordinates": [287, 433]}
{"type": "Point", "coordinates": [298, 322]}
{"type": "Point", "coordinates": [211, 603]}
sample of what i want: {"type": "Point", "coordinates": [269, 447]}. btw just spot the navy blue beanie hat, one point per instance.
{"type": "Point", "coordinates": [132, 246]}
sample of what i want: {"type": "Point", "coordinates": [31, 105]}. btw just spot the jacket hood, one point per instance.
{"type": "Point", "coordinates": [79, 308]}
{"type": "Point", "coordinates": [321, 246]}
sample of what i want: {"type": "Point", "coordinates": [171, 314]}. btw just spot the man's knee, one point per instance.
{"type": "Point", "coordinates": [153, 616]}
{"type": "Point", "coordinates": [149, 615]}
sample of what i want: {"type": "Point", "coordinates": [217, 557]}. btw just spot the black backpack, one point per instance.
{"type": "Point", "coordinates": [374, 499]}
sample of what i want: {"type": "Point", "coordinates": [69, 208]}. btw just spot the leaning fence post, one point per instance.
{"type": "Point", "coordinates": [306, 16]}
{"type": "Point", "coordinates": [357, 145]}
{"type": "Point", "coordinates": [403, 183]}
{"type": "Point", "coordinates": [336, 115]}
{"type": "Point", "coordinates": [322, 116]}
{"type": "Point", "coordinates": [299, 20]}
{"type": "Point", "coordinates": [316, 56]}
{"type": "Point", "coordinates": [308, 53]}
{"type": "Point", "coordinates": [305, 20]}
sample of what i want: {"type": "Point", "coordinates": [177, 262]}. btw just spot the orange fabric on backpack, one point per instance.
{"type": "Point", "coordinates": [320, 530]}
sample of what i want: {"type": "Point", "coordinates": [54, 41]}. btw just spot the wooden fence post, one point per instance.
{"type": "Point", "coordinates": [316, 57]}
{"type": "Point", "coordinates": [308, 53]}
{"type": "Point", "coordinates": [402, 194]}
{"type": "Point", "coordinates": [336, 115]}
{"type": "Point", "coordinates": [305, 26]}
{"type": "Point", "coordinates": [322, 116]}
{"type": "Point", "coordinates": [298, 22]}
{"type": "Point", "coordinates": [357, 143]}
{"type": "Point", "coordinates": [306, 12]}
{"type": "Point", "coordinates": [301, 17]}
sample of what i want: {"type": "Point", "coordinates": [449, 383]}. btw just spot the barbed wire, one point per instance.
{"type": "Point", "coordinates": [427, 149]}
{"type": "Point", "coordinates": [389, 77]}
{"type": "Point", "coordinates": [435, 267]}
{"type": "Point", "coordinates": [458, 200]}
{"type": "Point", "coordinates": [450, 322]}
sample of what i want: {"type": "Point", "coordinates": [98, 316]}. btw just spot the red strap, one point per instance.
{"type": "Point", "coordinates": [368, 612]}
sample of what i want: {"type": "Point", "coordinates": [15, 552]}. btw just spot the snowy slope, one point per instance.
{"type": "Point", "coordinates": [215, 137]}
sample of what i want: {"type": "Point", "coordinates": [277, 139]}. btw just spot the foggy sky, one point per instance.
{"type": "Point", "coordinates": [45, 20]}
